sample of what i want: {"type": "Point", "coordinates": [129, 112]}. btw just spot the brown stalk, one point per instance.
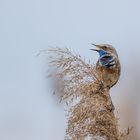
{"type": "Point", "coordinates": [92, 117]}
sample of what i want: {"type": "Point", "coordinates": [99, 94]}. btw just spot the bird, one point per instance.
{"type": "Point", "coordinates": [108, 64]}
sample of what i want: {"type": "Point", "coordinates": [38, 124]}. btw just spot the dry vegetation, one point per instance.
{"type": "Point", "coordinates": [91, 113]}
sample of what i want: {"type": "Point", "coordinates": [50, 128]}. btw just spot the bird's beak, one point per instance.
{"type": "Point", "coordinates": [98, 47]}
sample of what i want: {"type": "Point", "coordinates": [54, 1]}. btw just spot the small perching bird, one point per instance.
{"type": "Point", "coordinates": [108, 64]}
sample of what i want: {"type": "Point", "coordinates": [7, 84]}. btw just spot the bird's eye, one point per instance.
{"type": "Point", "coordinates": [105, 47]}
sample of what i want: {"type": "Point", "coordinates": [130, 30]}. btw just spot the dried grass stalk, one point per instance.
{"type": "Point", "coordinates": [92, 116]}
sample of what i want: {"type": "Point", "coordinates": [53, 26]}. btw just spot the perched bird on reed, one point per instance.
{"type": "Point", "coordinates": [92, 115]}
{"type": "Point", "coordinates": [108, 64]}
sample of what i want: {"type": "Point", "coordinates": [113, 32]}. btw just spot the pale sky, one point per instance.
{"type": "Point", "coordinates": [28, 110]}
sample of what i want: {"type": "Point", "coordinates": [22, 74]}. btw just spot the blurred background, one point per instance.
{"type": "Point", "coordinates": [28, 109]}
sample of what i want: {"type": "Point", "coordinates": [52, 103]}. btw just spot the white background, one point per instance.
{"type": "Point", "coordinates": [28, 110]}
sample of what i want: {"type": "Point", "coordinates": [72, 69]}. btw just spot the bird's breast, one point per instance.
{"type": "Point", "coordinates": [109, 75]}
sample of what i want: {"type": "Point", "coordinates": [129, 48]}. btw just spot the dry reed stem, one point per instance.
{"type": "Point", "coordinates": [93, 116]}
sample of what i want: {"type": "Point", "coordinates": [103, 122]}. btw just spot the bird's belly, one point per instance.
{"type": "Point", "coordinates": [109, 76]}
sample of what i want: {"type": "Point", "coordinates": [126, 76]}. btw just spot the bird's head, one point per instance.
{"type": "Point", "coordinates": [108, 56]}
{"type": "Point", "coordinates": [105, 49]}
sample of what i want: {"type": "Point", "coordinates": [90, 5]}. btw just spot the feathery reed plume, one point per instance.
{"type": "Point", "coordinates": [91, 113]}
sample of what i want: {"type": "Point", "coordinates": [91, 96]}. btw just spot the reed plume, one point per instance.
{"type": "Point", "coordinates": [81, 85]}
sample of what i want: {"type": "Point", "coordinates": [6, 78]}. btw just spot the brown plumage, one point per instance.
{"type": "Point", "coordinates": [110, 75]}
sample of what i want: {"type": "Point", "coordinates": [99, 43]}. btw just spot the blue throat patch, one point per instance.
{"type": "Point", "coordinates": [105, 59]}
{"type": "Point", "coordinates": [102, 52]}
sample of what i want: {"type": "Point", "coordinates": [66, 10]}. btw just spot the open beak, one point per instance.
{"type": "Point", "coordinates": [98, 47]}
